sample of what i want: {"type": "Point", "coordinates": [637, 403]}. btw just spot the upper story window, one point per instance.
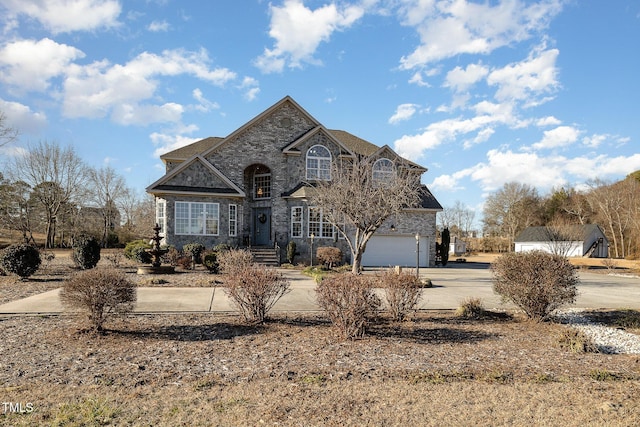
{"type": "Point", "coordinates": [383, 170]}
{"type": "Point", "coordinates": [319, 163]}
{"type": "Point", "coordinates": [262, 185]}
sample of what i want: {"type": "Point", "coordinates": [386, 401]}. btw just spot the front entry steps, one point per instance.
{"type": "Point", "coordinates": [265, 255]}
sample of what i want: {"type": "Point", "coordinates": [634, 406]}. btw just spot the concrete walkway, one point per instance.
{"type": "Point", "coordinates": [452, 285]}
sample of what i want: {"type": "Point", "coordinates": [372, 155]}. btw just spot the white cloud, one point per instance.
{"type": "Point", "coordinates": [403, 112]}
{"type": "Point", "coordinates": [204, 105]}
{"type": "Point", "coordinates": [29, 65]}
{"type": "Point", "coordinates": [165, 143]}
{"type": "Point", "coordinates": [298, 31]}
{"type": "Point", "coordinates": [136, 114]}
{"type": "Point", "coordinates": [460, 79]}
{"type": "Point", "coordinates": [450, 28]}
{"type": "Point", "coordinates": [558, 137]}
{"type": "Point", "coordinates": [595, 140]}
{"type": "Point", "coordinates": [506, 166]}
{"type": "Point", "coordinates": [99, 88]}
{"type": "Point", "coordinates": [251, 88]}
{"type": "Point", "coordinates": [524, 81]}
{"type": "Point", "coordinates": [548, 121]}
{"type": "Point", "coordinates": [63, 16]}
{"type": "Point", "coordinates": [158, 26]}
{"type": "Point", "coordinates": [21, 118]}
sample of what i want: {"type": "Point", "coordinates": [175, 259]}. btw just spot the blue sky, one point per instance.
{"type": "Point", "coordinates": [479, 92]}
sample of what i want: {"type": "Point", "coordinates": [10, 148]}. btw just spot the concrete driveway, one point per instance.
{"type": "Point", "coordinates": [451, 285]}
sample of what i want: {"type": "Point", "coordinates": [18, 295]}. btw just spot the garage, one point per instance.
{"type": "Point", "coordinates": [391, 250]}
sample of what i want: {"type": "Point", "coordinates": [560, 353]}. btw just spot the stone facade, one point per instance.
{"type": "Point", "coordinates": [257, 169]}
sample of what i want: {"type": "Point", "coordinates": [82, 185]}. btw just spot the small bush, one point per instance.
{"type": "Point", "coordinates": [349, 301]}
{"type": "Point", "coordinates": [234, 260]}
{"type": "Point", "coordinates": [171, 257]}
{"type": "Point", "coordinates": [255, 290]}
{"type": "Point", "coordinates": [576, 341]}
{"type": "Point", "coordinates": [22, 260]}
{"type": "Point", "coordinates": [114, 258]}
{"type": "Point", "coordinates": [402, 292]}
{"type": "Point", "coordinates": [291, 251]}
{"type": "Point", "coordinates": [185, 262]}
{"type": "Point", "coordinates": [537, 282]}
{"type": "Point", "coordinates": [210, 261]}
{"type": "Point", "coordinates": [86, 252]}
{"type": "Point", "coordinates": [194, 250]}
{"type": "Point", "coordinates": [100, 292]}
{"type": "Point", "coordinates": [329, 256]}
{"type": "Point", "coordinates": [136, 251]}
{"type": "Point", "coordinates": [471, 308]}
{"type": "Point", "coordinates": [221, 247]}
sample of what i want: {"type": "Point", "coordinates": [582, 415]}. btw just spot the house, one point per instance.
{"type": "Point", "coordinates": [572, 241]}
{"type": "Point", "coordinates": [251, 189]}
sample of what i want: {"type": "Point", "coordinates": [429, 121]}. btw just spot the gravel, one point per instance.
{"type": "Point", "coordinates": [609, 340]}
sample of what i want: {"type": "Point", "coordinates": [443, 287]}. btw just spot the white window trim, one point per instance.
{"type": "Point", "coordinates": [233, 220]}
{"type": "Point", "coordinates": [204, 219]}
{"type": "Point", "coordinates": [161, 218]}
{"type": "Point", "coordinates": [322, 223]}
{"type": "Point", "coordinates": [386, 174]}
{"type": "Point", "coordinates": [317, 176]}
{"type": "Point", "coordinates": [301, 222]}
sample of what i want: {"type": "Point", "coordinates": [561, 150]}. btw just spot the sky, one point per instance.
{"type": "Point", "coordinates": [481, 93]}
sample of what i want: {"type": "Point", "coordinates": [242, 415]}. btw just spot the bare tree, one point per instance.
{"type": "Point", "coordinates": [357, 203]}
{"type": "Point", "coordinates": [562, 237]}
{"type": "Point", "coordinates": [56, 175]}
{"type": "Point", "coordinates": [511, 209]}
{"type": "Point", "coordinates": [106, 191]}
{"type": "Point", "coordinates": [7, 133]}
{"type": "Point", "coordinates": [458, 219]}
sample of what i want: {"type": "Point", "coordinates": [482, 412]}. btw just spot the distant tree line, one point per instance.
{"type": "Point", "coordinates": [50, 191]}
{"type": "Point", "coordinates": [614, 206]}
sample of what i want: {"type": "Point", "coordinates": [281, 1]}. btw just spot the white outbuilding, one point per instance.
{"type": "Point", "coordinates": [572, 241]}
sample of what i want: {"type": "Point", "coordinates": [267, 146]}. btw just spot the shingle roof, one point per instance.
{"type": "Point", "coordinates": [544, 234]}
{"type": "Point", "coordinates": [427, 200]}
{"type": "Point", "coordinates": [354, 143]}
{"type": "Point", "coordinates": [192, 149]}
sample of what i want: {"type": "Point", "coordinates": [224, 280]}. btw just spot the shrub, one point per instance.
{"type": "Point", "coordinates": [171, 257]}
{"type": "Point", "coordinates": [576, 341]}
{"type": "Point", "coordinates": [291, 251]}
{"type": "Point", "coordinates": [349, 301]}
{"type": "Point", "coordinates": [402, 292]}
{"type": "Point", "coordinates": [328, 255]}
{"type": "Point", "coordinates": [471, 308]}
{"type": "Point", "coordinates": [22, 260]}
{"type": "Point", "coordinates": [194, 250]}
{"type": "Point", "coordinates": [86, 252]}
{"type": "Point", "coordinates": [100, 292]}
{"type": "Point", "coordinates": [210, 261]}
{"type": "Point", "coordinates": [234, 260]}
{"type": "Point", "coordinates": [221, 247]}
{"type": "Point", "coordinates": [255, 290]}
{"type": "Point", "coordinates": [185, 262]}
{"type": "Point", "coordinates": [537, 282]}
{"type": "Point", "coordinates": [136, 251]}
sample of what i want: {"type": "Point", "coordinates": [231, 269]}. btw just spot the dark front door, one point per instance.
{"type": "Point", "coordinates": [262, 226]}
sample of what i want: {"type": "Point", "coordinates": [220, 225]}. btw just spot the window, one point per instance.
{"type": "Point", "coordinates": [319, 225]}
{"type": "Point", "coordinates": [383, 170]}
{"type": "Point", "coordinates": [197, 218]}
{"type": "Point", "coordinates": [233, 220]}
{"type": "Point", "coordinates": [262, 186]}
{"type": "Point", "coordinates": [296, 221]}
{"type": "Point", "coordinates": [161, 217]}
{"type": "Point", "coordinates": [319, 163]}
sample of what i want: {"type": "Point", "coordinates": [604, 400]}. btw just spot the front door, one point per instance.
{"type": "Point", "coordinates": [262, 226]}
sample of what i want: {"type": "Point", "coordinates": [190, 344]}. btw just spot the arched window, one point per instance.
{"type": "Point", "coordinates": [383, 170]}
{"type": "Point", "coordinates": [319, 163]}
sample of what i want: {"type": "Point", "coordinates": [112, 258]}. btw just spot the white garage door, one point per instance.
{"type": "Point", "coordinates": [387, 251]}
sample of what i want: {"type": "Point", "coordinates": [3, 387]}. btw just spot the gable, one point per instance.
{"type": "Point", "coordinates": [195, 176]}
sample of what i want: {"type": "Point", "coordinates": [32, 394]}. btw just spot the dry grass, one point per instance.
{"type": "Point", "coordinates": [211, 369]}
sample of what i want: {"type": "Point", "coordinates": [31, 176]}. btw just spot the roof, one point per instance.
{"type": "Point", "coordinates": [545, 234]}
{"type": "Point", "coordinates": [354, 143]}
{"type": "Point", "coordinates": [427, 200]}
{"type": "Point", "coordinates": [183, 153]}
